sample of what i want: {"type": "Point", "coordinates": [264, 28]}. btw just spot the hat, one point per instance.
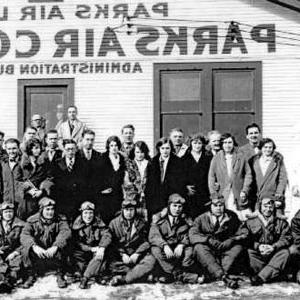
{"type": "Point", "coordinates": [129, 203]}
{"type": "Point", "coordinates": [7, 205]}
{"type": "Point", "coordinates": [87, 205]}
{"type": "Point", "coordinates": [176, 198]}
{"type": "Point", "coordinates": [36, 117]}
{"type": "Point", "coordinates": [216, 198]}
{"type": "Point", "coordinates": [45, 201]}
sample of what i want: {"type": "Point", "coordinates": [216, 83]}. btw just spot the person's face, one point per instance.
{"type": "Point", "coordinates": [12, 150]}
{"type": "Point", "coordinates": [70, 150]}
{"type": "Point", "coordinates": [113, 147]}
{"type": "Point", "coordinates": [214, 141]}
{"type": "Point", "coordinates": [129, 213]}
{"type": "Point", "coordinates": [217, 208]}
{"type": "Point", "coordinates": [30, 134]}
{"type": "Point", "coordinates": [72, 113]}
{"type": "Point", "coordinates": [48, 212]}
{"type": "Point", "coordinates": [51, 140]}
{"type": "Point", "coordinates": [228, 145]}
{"type": "Point", "coordinates": [165, 150]}
{"type": "Point", "coordinates": [59, 116]}
{"type": "Point", "coordinates": [1, 141]}
{"type": "Point", "coordinates": [138, 154]}
{"type": "Point", "coordinates": [88, 216]}
{"type": "Point", "coordinates": [197, 146]}
{"type": "Point", "coordinates": [36, 123]}
{"type": "Point", "coordinates": [267, 149]}
{"type": "Point", "coordinates": [176, 209]}
{"type": "Point", "coordinates": [267, 207]}
{"type": "Point", "coordinates": [176, 138]}
{"type": "Point", "coordinates": [128, 135]}
{"type": "Point", "coordinates": [253, 135]}
{"type": "Point", "coordinates": [36, 150]}
{"type": "Point", "coordinates": [88, 141]}
{"type": "Point", "coordinates": [8, 214]}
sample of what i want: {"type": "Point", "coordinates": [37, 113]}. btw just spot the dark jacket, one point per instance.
{"type": "Point", "coordinates": [162, 233]}
{"type": "Point", "coordinates": [203, 228]}
{"type": "Point", "coordinates": [276, 233]}
{"type": "Point", "coordinates": [95, 234]}
{"type": "Point", "coordinates": [11, 241]}
{"type": "Point", "coordinates": [295, 227]}
{"type": "Point", "coordinates": [38, 232]}
{"type": "Point", "coordinates": [247, 151]}
{"type": "Point", "coordinates": [275, 179]}
{"type": "Point", "coordinates": [158, 192]}
{"type": "Point", "coordinates": [57, 156]}
{"type": "Point", "coordinates": [126, 240]}
{"type": "Point", "coordinates": [240, 179]}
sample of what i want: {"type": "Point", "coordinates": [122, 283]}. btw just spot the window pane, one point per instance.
{"type": "Point", "coordinates": [188, 123]}
{"type": "Point", "coordinates": [235, 124]}
{"type": "Point", "coordinates": [181, 86]}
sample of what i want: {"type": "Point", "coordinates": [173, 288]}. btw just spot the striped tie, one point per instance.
{"type": "Point", "coordinates": [70, 165]}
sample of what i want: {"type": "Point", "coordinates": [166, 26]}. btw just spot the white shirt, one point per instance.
{"type": "Point", "coordinates": [6, 226]}
{"type": "Point", "coordinates": [87, 153]}
{"type": "Point", "coordinates": [12, 164]}
{"type": "Point", "coordinates": [228, 159]}
{"type": "Point", "coordinates": [142, 165]}
{"type": "Point", "coordinates": [115, 160]}
{"type": "Point", "coordinates": [172, 220]}
{"type": "Point", "coordinates": [264, 163]}
{"type": "Point", "coordinates": [166, 160]}
{"type": "Point", "coordinates": [68, 160]}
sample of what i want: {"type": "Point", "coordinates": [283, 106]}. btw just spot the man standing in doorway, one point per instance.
{"type": "Point", "coordinates": [37, 123]}
{"type": "Point", "coordinates": [127, 132]}
{"type": "Point", "coordinates": [177, 138]}
{"type": "Point", "coordinates": [214, 139]}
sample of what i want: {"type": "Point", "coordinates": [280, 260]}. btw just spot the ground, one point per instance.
{"type": "Point", "coordinates": [46, 288]}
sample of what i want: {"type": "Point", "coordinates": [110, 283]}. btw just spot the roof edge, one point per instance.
{"type": "Point", "coordinates": [287, 4]}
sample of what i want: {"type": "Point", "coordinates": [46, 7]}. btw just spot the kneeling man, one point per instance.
{"type": "Point", "coordinates": [44, 238]}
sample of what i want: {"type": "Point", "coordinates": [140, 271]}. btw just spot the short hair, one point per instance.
{"type": "Point", "coordinates": [30, 127]}
{"type": "Point", "coordinates": [72, 106]}
{"type": "Point", "coordinates": [164, 140]}
{"type": "Point", "coordinates": [54, 131]}
{"type": "Point", "coordinates": [128, 126]}
{"type": "Point", "coordinates": [226, 136]}
{"type": "Point", "coordinates": [143, 147]}
{"type": "Point", "coordinates": [2, 134]}
{"type": "Point", "coordinates": [88, 131]}
{"type": "Point", "coordinates": [194, 137]}
{"type": "Point", "coordinates": [12, 140]}
{"type": "Point", "coordinates": [252, 125]}
{"type": "Point", "coordinates": [176, 129]}
{"type": "Point", "coordinates": [68, 141]}
{"type": "Point", "coordinates": [212, 132]}
{"type": "Point", "coordinates": [30, 144]}
{"type": "Point", "coordinates": [113, 138]}
{"type": "Point", "coordinates": [266, 141]}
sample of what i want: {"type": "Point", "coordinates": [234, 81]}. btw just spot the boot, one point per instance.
{"type": "Point", "coordinates": [29, 282]}
{"type": "Point", "coordinates": [256, 280]}
{"type": "Point", "coordinates": [117, 280]}
{"type": "Point", "coordinates": [5, 287]}
{"type": "Point", "coordinates": [61, 282]}
{"type": "Point", "coordinates": [84, 283]}
{"type": "Point", "coordinates": [230, 282]}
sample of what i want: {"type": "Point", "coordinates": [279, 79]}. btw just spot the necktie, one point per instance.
{"type": "Point", "coordinates": [88, 155]}
{"type": "Point", "coordinates": [71, 127]}
{"type": "Point", "coordinates": [51, 154]}
{"type": "Point", "coordinates": [217, 225]}
{"type": "Point", "coordinates": [70, 165]}
{"type": "Point", "coordinates": [161, 164]}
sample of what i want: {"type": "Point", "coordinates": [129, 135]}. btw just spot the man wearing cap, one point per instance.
{"type": "Point", "coordinates": [91, 239]}
{"type": "Point", "coordinates": [37, 123]}
{"type": "Point", "coordinates": [170, 244]}
{"type": "Point", "coordinates": [216, 237]}
{"type": "Point", "coordinates": [269, 238]}
{"type": "Point", "coordinates": [130, 259]}
{"type": "Point", "coordinates": [44, 239]}
{"type": "Point", "coordinates": [10, 247]}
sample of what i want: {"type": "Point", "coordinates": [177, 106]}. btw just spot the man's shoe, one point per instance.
{"type": "Point", "coordinates": [256, 280]}
{"type": "Point", "coordinates": [298, 277]}
{"type": "Point", "coordinates": [165, 279]}
{"type": "Point", "coordinates": [29, 282]}
{"type": "Point", "coordinates": [5, 287]}
{"type": "Point", "coordinates": [61, 282]}
{"type": "Point", "coordinates": [84, 283]}
{"type": "Point", "coordinates": [231, 282]}
{"type": "Point", "coordinates": [117, 280]}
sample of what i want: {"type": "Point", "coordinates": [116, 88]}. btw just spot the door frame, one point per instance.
{"type": "Point", "coordinates": [25, 83]}
{"type": "Point", "coordinates": [208, 88]}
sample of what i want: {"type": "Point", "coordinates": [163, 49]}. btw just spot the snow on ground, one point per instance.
{"type": "Point", "coordinates": [46, 288]}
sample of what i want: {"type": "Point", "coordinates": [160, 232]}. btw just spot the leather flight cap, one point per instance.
{"type": "Point", "coordinates": [176, 198]}
{"type": "Point", "coordinates": [7, 205]}
{"type": "Point", "coordinates": [45, 201]}
{"type": "Point", "coordinates": [87, 205]}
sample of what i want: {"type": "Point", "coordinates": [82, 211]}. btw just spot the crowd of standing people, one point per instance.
{"type": "Point", "coordinates": [193, 213]}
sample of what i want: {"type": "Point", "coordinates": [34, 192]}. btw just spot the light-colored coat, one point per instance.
{"type": "Point", "coordinates": [64, 131]}
{"type": "Point", "coordinates": [240, 179]}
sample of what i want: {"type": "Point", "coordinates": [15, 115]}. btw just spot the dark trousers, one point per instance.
{"type": "Point", "coordinates": [268, 267]}
{"type": "Point", "coordinates": [216, 263]}
{"type": "Point", "coordinates": [135, 272]}
{"type": "Point", "coordinates": [87, 265]}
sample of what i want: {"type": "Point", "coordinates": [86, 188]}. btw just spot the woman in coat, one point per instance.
{"type": "Point", "coordinates": [196, 164]}
{"type": "Point", "coordinates": [112, 170]}
{"type": "Point", "coordinates": [269, 173]}
{"type": "Point", "coordinates": [166, 177]}
{"type": "Point", "coordinates": [230, 175]}
{"type": "Point", "coordinates": [37, 181]}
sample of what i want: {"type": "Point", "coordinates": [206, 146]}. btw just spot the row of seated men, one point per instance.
{"type": "Point", "coordinates": [129, 250]}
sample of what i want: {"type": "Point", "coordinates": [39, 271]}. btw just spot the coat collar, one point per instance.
{"type": "Point", "coordinates": [79, 224]}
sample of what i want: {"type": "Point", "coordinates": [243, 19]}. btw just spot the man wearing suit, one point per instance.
{"type": "Point", "coordinates": [70, 178]}
{"type": "Point", "coordinates": [72, 128]}
{"type": "Point", "coordinates": [177, 137]}
{"type": "Point", "coordinates": [37, 122]}
{"type": "Point", "coordinates": [52, 153]}
{"type": "Point", "coordinates": [127, 132]}
{"type": "Point", "coordinates": [91, 159]}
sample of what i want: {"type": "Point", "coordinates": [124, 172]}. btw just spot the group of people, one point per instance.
{"type": "Point", "coordinates": [194, 212]}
